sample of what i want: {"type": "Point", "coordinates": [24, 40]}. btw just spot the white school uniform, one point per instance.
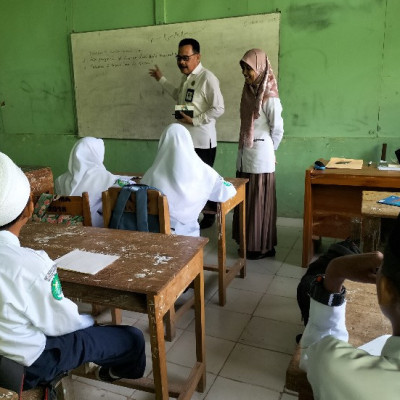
{"type": "Point", "coordinates": [87, 173]}
{"type": "Point", "coordinates": [185, 179]}
{"type": "Point", "coordinates": [32, 305]}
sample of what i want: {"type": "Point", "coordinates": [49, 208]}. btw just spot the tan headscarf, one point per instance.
{"type": "Point", "coordinates": [255, 95]}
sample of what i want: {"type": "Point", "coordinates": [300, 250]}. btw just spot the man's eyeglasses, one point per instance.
{"type": "Point", "coordinates": [184, 58]}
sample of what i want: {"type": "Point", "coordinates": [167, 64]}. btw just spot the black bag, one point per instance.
{"type": "Point", "coordinates": [134, 221]}
{"type": "Point", "coordinates": [319, 267]}
{"type": "Point", "coordinates": [11, 375]}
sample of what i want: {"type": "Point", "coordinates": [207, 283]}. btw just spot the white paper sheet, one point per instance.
{"type": "Point", "coordinates": [85, 262]}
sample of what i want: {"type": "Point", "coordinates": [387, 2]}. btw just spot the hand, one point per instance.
{"type": "Point", "coordinates": [186, 119]}
{"type": "Point", "coordinates": [155, 72]}
{"type": "Point", "coordinates": [357, 268]}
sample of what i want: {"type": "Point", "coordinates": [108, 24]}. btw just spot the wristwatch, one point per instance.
{"type": "Point", "coordinates": [320, 294]}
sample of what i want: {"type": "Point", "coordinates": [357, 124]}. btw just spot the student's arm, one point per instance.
{"type": "Point", "coordinates": [222, 190]}
{"type": "Point", "coordinates": [326, 320]}
{"type": "Point", "coordinates": [48, 309]}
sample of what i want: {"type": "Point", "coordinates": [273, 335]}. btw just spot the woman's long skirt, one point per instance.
{"type": "Point", "coordinates": [261, 214]}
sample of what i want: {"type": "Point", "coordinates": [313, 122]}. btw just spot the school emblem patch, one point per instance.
{"type": "Point", "coordinates": [56, 289]}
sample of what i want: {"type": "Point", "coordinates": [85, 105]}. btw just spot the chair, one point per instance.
{"type": "Point", "coordinates": [12, 378]}
{"type": "Point", "coordinates": [157, 204]}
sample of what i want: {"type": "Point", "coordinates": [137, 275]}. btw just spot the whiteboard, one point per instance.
{"type": "Point", "coordinates": [117, 98]}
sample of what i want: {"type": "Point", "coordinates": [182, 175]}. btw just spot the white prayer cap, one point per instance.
{"type": "Point", "coordinates": [14, 190]}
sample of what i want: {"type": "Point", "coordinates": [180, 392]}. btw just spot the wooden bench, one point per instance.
{"type": "Point", "coordinates": [364, 322]}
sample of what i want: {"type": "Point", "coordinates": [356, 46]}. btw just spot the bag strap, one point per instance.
{"type": "Point", "coordinates": [141, 206]}
{"type": "Point", "coordinates": [119, 208]}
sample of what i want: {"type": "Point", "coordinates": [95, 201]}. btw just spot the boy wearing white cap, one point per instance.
{"type": "Point", "coordinates": [39, 327]}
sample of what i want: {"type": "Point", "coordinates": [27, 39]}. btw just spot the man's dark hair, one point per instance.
{"type": "Point", "coordinates": [192, 42]}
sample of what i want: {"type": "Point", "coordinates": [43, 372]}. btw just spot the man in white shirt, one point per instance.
{"type": "Point", "coordinates": [199, 88]}
{"type": "Point", "coordinates": [40, 328]}
{"type": "Point", "coordinates": [335, 369]}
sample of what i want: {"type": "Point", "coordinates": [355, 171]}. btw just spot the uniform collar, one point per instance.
{"type": "Point", "coordinates": [196, 71]}
{"type": "Point", "coordinates": [6, 237]}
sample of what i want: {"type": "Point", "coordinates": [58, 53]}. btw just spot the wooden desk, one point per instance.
{"type": "Point", "coordinates": [225, 274]}
{"type": "Point", "coordinates": [364, 322]}
{"type": "Point", "coordinates": [372, 213]}
{"type": "Point", "coordinates": [40, 179]}
{"type": "Point", "coordinates": [139, 281]}
{"type": "Point", "coordinates": [332, 201]}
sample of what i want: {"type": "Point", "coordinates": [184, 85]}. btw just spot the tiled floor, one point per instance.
{"type": "Point", "coordinates": [249, 341]}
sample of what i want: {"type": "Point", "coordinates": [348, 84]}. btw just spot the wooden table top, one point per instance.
{"type": "Point", "coordinates": [370, 206]}
{"type": "Point", "coordinates": [147, 263]}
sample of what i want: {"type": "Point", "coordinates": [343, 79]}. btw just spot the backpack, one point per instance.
{"type": "Point", "coordinates": [134, 221]}
{"type": "Point", "coordinates": [319, 267]}
{"type": "Point", "coordinates": [11, 374]}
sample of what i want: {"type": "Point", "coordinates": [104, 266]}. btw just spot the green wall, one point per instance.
{"type": "Point", "coordinates": [338, 79]}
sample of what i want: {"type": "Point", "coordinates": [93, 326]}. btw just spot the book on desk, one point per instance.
{"type": "Point", "coordinates": [391, 201]}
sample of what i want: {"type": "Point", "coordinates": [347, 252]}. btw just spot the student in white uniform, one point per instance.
{"type": "Point", "coordinates": [87, 173]}
{"type": "Point", "coordinates": [39, 327]}
{"type": "Point", "coordinates": [335, 369]}
{"type": "Point", "coordinates": [185, 179]}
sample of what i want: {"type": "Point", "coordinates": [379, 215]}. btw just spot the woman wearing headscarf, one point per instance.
{"type": "Point", "coordinates": [87, 173]}
{"type": "Point", "coordinates": [261, 132]}
{"type": "Point", "coordinates": [185, 179]}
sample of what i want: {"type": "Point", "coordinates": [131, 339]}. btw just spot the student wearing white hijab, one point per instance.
{"type": "Point", "coordinates": [87, 173]}
{"type": "Point", "coordinates": [185, 179]}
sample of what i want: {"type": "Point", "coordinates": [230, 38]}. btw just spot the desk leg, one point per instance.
{"type": "Point", "coordinates": [156, 328]}
{"type": "Point", "coordinates": [221, 255]}
{"type": "Point", "coordinates": [308, 246]}
{"type": "Point", "coordinates": [370, 234]}
{"type": "Point", "coordinates": [242, 228]}
{"type": "Point", "coordinates": [200, 327]}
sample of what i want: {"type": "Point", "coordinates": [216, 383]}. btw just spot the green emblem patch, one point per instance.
{"type": "Point", "coordinates": [56, 289]}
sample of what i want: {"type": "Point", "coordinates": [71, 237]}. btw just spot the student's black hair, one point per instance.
{"type": "Point", "coordinates": [192, 42]}
{"type": "Point", "coordinates": [7, 226]}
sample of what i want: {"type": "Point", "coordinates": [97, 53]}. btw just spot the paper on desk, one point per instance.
{"type": "Point", "coordinates": [374, 347]}
{"type": "Point", "coordinates": [85, 262]}
{"type": "Point", "coordinates": [349, 163]}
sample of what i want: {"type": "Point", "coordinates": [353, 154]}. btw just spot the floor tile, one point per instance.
{"type": "Point", "coordinates": [242, 301]}
{"type": "Point", "coordinates": [257, 366]}
{"type": "Point", "coordinates": [224, 389]}
{"type": "Point", "coordinates": [217, 351]}
{"type": "Point", "coordinates": [253, 282]}
{"type": "Point", "coordinates": [279, 308]}
{"type": "Point", "coordinates": [282, 286]}
{"type": "Point", "coordinates": [272, 335]}
{"type": "Point", "coordinates": [291, 271]}
{"type": "Point", "coordinates": [223, 323]}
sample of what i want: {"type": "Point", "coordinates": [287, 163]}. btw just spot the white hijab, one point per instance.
{"type": "Point", "coordinates": [181, 175]}
{"type": "Point", "coordinates": [86, 173]}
